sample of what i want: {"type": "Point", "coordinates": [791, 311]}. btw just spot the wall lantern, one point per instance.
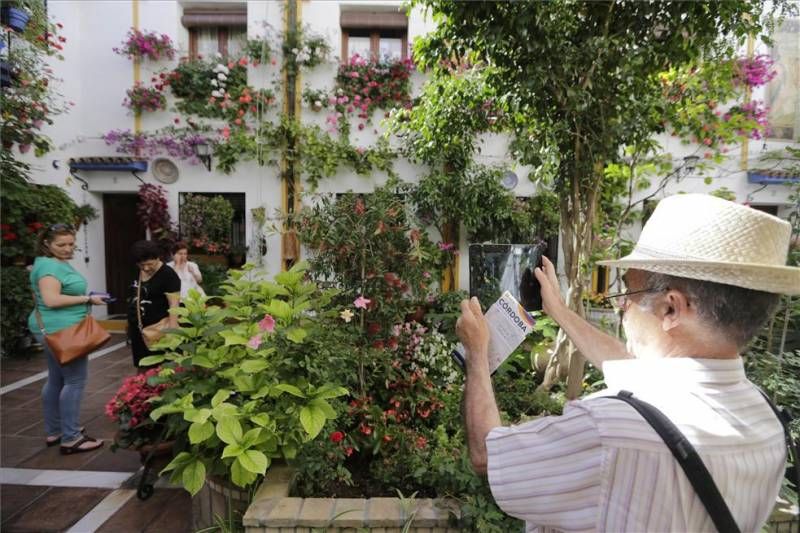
{"type": "Point", "coordinates": [203, 152]}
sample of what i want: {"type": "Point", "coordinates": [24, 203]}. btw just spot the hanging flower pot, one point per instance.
{"type": "Point", "coordinates": [15, 18]}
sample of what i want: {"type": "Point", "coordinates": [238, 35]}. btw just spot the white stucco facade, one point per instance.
{"type": "Point", "coordinates": [96, 79]}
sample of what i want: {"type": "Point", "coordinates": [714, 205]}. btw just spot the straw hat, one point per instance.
{"type": "Point", "coordinates": [703, 237]}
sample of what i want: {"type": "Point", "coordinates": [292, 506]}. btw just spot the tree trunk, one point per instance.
{"type": "Point", "coordinates": [577, 217]}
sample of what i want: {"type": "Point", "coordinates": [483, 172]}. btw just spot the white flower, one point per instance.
{"type": "Point", "coordinates": [216, 94]}
{"type": "Point", "coordinates": [214, 83]}
{"type": "Point", "coordinates": [295, 51]}
{"type": "Point", "coordinates": [218, 55]}
{"type": "Point", "coordinates": [225, 69]}
{"type": "Point", "coordinates": [222, 76]}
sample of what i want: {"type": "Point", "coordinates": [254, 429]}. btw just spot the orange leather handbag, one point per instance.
{"type": "Point", "coordinates": [76, 341]}
{"type": "Point", "coordinates": [150, 334]}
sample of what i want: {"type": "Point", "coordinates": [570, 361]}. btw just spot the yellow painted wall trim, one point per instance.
{"type": "Point", "coordinates": [137, 67]}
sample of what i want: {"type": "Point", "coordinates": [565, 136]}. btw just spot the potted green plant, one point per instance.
{"type": "Point", "coordinates": [141, 44]}
{"type": "Point", "coordinates": [84, 213]}
{"type": "Point", "coordinates": [248, 385]}
{"type": "Point", "coordinates": [205, 223]}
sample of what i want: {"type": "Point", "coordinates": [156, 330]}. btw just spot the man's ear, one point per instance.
{"type": "Point", "coordinates": [676, 309]}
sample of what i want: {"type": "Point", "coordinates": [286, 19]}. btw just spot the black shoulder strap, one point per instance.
{"type": "Point", "coordinates": [793, 455]}
{"type": "Point", "coordinates": [690, 462]}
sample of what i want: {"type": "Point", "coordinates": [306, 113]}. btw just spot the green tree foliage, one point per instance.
{"type": "Point", "coordinates": [582, 81]}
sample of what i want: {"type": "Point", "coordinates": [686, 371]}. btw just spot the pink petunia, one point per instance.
{"type": "Point", "coordinates": [267, 324]}
{"type": "Point", "coordinates": [254, 342]}
{"type": "Point", "coordinates": [361, 302]}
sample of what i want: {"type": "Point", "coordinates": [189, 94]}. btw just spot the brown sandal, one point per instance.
{"type": "Point", "coordinates": [57, 440]}
{"type": "Point", "coordinates": [76, 447]}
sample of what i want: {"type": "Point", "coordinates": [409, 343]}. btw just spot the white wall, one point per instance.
{"type": "Point", "coordinates": [96, 79]}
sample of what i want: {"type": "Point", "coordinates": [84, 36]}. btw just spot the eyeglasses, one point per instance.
{"type": "Point", "coordinates": [620, 299]}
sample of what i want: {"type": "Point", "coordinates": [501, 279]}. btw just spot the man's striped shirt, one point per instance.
{"type": "Point", "coordinates": [601, 467]}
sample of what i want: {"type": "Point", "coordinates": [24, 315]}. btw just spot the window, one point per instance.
{"type": "Point", "coordinates": [216, 30]}
{"type": "Point", "coordinates": [237, 200]}
{"type": "Point", "coordinates": [227, 40]}
{"type": "Point", "coordinates": [377, 35]}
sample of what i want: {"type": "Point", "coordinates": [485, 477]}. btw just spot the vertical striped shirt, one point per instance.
{"type": "Point", "coordinates": [601, 467]}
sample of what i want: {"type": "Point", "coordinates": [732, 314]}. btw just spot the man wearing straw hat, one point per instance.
{"type": "Point", "coordinates": [703, 278]}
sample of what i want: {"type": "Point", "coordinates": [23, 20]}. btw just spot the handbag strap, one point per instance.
{"type": "Point", "coordinates": [690, 462]}
{"type": "Point", "coordinates": [38, 315]}
{"type": "Point", "coordinates": [792, 453]}
{"type": "Point", "coordinates": [139, 301]}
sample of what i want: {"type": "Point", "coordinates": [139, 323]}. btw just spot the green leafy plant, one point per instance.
{"type": "Point", "coordinates": [31, 100]}
{"type": "Point", "coordinates": [141, 98]}
{"type": "Point", "coordinates": [303, 49]}
{"type": "Point", "coordinates": [141, 44]}
{"type": "Point", "coordinates": [316, 99]}
{"type": "Point", "coordinates": [371, 246]}
{"type": "Point", "coordinates": [206, 222]}
{"type": "Point", "coordinates": [363, 85]}
{"type": "Point", "coordinates": [16, 306]}
{"type": "Point", "coordinates": [245, 383]}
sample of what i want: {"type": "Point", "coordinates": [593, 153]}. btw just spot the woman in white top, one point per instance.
{"type": "Point", "coordinates": [188, 271]}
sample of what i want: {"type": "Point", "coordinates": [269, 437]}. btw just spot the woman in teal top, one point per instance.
{"type": "Point", "coordinates": [61, 299]}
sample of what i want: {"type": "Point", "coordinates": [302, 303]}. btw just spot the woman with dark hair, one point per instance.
{"type": "Point", "coordinates": [61, 302]}
{"type": "Point", "coordinates": [153, 294]}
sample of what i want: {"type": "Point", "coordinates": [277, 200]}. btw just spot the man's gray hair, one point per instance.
{"type": "Point", "coordinates": [737, 311]}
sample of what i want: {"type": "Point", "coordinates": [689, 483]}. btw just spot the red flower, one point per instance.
{"type": "Point", "coordinates": [10, 236]}
{"type": "Point", "coordinates": [366, 430]}
{"type": "Point", "coordinates": [337, 436]}
{"type": "Point", "coordinates": [421, 442]}
{"type": "Point", "coordinates": [348, 451]}
{"type": "Point", "coordinates": [359, 207]}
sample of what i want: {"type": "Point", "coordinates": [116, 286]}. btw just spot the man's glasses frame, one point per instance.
{"type": "Point", "coordinates": [619, 300]}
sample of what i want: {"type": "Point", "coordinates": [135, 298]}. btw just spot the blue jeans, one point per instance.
{"type": "Point", "coordinates": [61, 395]}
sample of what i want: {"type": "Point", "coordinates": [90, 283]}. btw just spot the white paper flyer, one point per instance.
{"type": "Point", "coordinates": [509, 324]}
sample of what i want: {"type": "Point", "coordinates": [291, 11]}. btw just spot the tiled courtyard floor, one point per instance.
{"type": "Point", "coordinates": [43, 491]}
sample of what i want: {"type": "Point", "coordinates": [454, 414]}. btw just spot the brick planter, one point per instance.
{"type": "Point", "coordinates": [273, 511]}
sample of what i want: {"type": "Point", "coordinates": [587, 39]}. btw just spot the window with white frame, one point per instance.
{"type": "Point", "coordinates": [379, 35]}
{"type": "Point", "coordinates": [216, 30]}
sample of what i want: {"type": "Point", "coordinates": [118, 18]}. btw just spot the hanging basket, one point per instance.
{"type": "Point", "coordinates": [15, 18]}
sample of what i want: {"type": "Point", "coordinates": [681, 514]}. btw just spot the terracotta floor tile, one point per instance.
{"type": "Point", "coordinates": [13, 421]}
{"type": "Point", "coordinates": [56, 510]}
{"type": "Point", "coordinates": [167, 510]}
{"type": "Point", "coordinates": [10, 376]}
{"type": "Point", "coordinates": [51, 458]}
{"type": "Point", "coordinates": [96, 382]}
{"type": "Point", "coordinates": [100, 426]}
{"type": "Point", "coordinates": [18, 398]}
{"type": "Point", "coordinates": [119, 461]}
{"type": "Point", "coordinates": [177, 517]}
{"type": "Point", "coordinates": [16, 498]}
{"type": "Point", "coordinates": [16, 449]}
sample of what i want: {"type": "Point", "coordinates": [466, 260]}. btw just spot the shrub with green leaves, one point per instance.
{"type": "Point", "coordinates": [249, 379]}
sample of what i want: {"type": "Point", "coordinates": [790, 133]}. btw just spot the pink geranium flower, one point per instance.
{"type": "Point", "coordinates": [361, 302]}
{"type": "Point", "coordinates": [267, 324]}
{"type": "Point", "coordinates": [254, 342]}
